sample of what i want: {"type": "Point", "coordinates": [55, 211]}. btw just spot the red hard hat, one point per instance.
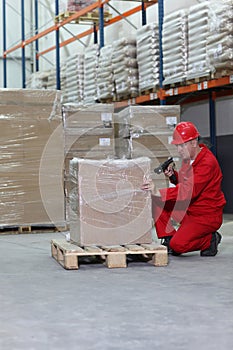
{"type": "Point", "coordinates": [184, 132]}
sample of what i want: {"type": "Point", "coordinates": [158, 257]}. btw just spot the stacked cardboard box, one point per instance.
{"type": "Point", "coordinates": [27, 122]}
{"type": "Point", "coordinates": [88, 133]}
{"type": "Point", "coordinates": [147, 131]}
{"type": "Point", "coordinates": [107, 206]}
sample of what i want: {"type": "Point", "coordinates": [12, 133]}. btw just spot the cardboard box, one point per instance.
{"type": "Point", "coordinates": [29, 158]}
{"type": "Point", "coordinates": [106, 204]}
{"type": "Point", "coordinates": [145, 131]}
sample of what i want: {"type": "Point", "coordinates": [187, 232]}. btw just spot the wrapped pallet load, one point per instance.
{"type": "Point", "coordinates": [107, 205]}
{"type": "Point", "coordinates": [175, 47]}
{"type": "Point", "coordinates": [88, 133]}
{"type": "Point", "coordinates": [125, 68]}
{"type": "Point", "coordinates": [91, 60]}
{"type": "Point", "coordinates": [105, 77]}
{"type": "Point", "coordinates": [31, 155]}
{"type": "Point", "coordinates": [220, 39]}
{"type": "Point", "coordinates": [198, 31]}
{"type": "Point", "coordinates": [74, 81]}
{"type": "Point", "coordinates": [146, 131]}
{"type": "Point", "coordinates": [148, 57]}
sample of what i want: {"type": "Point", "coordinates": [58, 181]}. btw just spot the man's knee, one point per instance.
{"type": "Point", "coordinates": [178, 246]}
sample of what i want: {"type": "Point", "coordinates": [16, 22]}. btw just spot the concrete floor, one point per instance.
{"type": "Point", "coordinates": [187, 305]}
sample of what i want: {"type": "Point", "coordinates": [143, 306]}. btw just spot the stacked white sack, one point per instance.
{"type": "Point", "coordinates": [125, 67]}
{"type": "Point", "coordinates": [91, 58]}
{"type": "Point", "coordinates": [175, 47]}
{"type": "Point", "coordinates": [148, 56]}
{"type": "Point", "coordinates": [220, 40]}
{"type": "Point", "coordinates": [197, 40]}
{"type": "Point", "coordinates": [74, 78]}
{"type": "Point", "coordinates": [105, 78]}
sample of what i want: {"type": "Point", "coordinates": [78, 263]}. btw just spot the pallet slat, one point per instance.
{"type": "Point", "coordinates": [67, 254]}
{"type": "Point", "coordinates": [92, 16]}
{"type": "Point", "coordinates": [35, 228]}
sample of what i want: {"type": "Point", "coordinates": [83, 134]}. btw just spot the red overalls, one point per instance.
{"type": "Point", "coordinates": [196, 202]}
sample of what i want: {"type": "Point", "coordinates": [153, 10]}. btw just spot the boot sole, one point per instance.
{"type": "Point", "coordinates": [209, 252]}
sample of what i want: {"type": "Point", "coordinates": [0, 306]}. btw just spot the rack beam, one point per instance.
{"type": "Point", "coordinates": [175, 92]}
{"type": "Point", "coordinates": [90, 31]}
{"type": "Point", "coordinates": [208, 84]}
{"type": "Point", "coordinates": [57, 26]}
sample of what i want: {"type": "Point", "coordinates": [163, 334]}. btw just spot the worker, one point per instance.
{"type": "Point", "coordinates": [194, 203]}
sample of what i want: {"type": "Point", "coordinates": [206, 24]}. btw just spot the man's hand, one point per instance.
{"type": "Point", "coordinates": [169, 171]}
{"type": "Point", "coordinates": [148, 185]}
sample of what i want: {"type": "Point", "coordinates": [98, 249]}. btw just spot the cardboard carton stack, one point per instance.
{"type": "Point", "coordinates": [27, 122]}
{"type": "Point", "coordinates": [107, 206]}
{"type": "Point", "coordinates": [88, 133]}
{"type": "Point", "coordinates": [147, 131]}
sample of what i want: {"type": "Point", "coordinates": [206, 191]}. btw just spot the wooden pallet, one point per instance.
{"type": "Point", "coordinates": [175, 85]}
{"type": "Point", "coordinates": [149, 91]}
{"type": "Point", "coordinates": [221, 73]}
{"type": "Point", "coordinates": [197, 80]}
{"type": "Point", "coordinates": [14, 229]}
{"type": "Point", "coordinates": [92, 16]}
{"type": "Point", "coordinates": [68, 254]}
{"type": "Point", "coordinates": [120, 98]}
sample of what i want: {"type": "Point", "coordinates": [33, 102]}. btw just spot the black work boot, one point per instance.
{"type": "Point", "coordinates": [213, 248]}
{"type": "Point", "coordinates": [166, 242]}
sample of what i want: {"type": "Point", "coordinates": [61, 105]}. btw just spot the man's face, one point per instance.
{"type": "Point", "coordinates": [186, 150]}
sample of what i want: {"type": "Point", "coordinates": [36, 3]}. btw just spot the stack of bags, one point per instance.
{"type": "Point", "coordinates": [38, 80]}
{"type": "Point", "coordinates": [220, 38]}
{"type": "Point", "coordinates": [91, 61]}
{"type": "Point", "coordinates": [148, 57]}
{"type": "Point", "coordinates": [74, 78]}
{"type": "Point", "coordinates": [125, 68]}
{"type": "Point", "coordinates": [175, 47]}
{"type": "Point", "coordinates": [198, 31]}
{"type": "Point", "coordinates": [105, 78]}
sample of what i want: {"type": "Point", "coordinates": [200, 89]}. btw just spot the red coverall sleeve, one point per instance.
{"type": "Point", "coordinates": [191, 186]}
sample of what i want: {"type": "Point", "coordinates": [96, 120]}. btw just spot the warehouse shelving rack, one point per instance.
{"type": "Point", "coordinates": [210, 89]}
{"type": "Point", "coordinates": [99, 4]}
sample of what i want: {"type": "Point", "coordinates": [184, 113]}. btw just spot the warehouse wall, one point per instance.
{"type": "Point", "coordinates": [199, 114]}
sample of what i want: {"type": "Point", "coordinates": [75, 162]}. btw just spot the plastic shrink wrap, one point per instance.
{"type": "Point", "coordinates": [28, 120]}
{"type": "Point", "coordinates": [105, 77]}
{"type": "Point", "coordinates": [197, 41]}
{"type": "Point", "coordinates": [148, 57]}
{"type": "Point", "coordinates": [77, 5]}
{"type": "Point", "coordinates": [91, 61]}
{"type": "Point", "coordinates": [147, 131]}
{"type": "Point", "coordinates": [88, 133]}
{"type": "Point", "coordinates": [175, 47]}
{"type": "Point", "coordinates": [74, 79]}
{"type": "Point", "coordinates": [125, 68]}
{"type": "Point", "coordinates": [220, 40]}
{"type": "Point", "coordinates": [107, 205]}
